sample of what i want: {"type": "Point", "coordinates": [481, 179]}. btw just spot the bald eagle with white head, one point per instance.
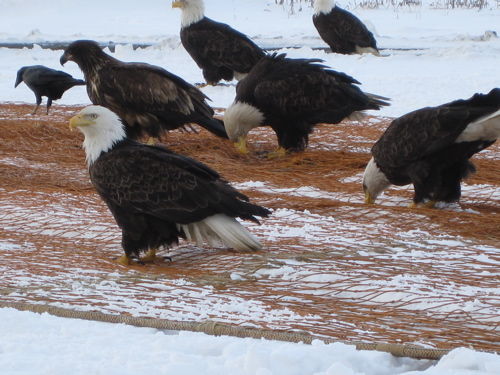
{"type": "Point", "coordinates": [342, 30]}
{"type": "Point", "coordinates": [431, 147]}
{"type": "Point", "coordinates": [219, 50]}
{"type": "Point", "coordinates": [157, 196]}
{"type": "Point", "coordinates": [292, 96]}
{"type": "Point", "coordinates": [148, 99]}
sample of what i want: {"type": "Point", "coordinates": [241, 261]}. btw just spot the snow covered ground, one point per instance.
{"type": "Point", "coordinates": [41, 344]}
{"type": "Point", "coordinates": [432, 56]}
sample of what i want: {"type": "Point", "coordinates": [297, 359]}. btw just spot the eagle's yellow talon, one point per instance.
{"type": "Point", "coordinates": [279, 153]}
{"type": "Point", "coordinates": [124, 260]}
{"type": "Point", "coordinates": [149, 257]}
{"type": "Point", "coordinates": [429, 204]}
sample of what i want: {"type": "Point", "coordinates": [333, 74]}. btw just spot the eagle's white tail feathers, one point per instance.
{"type": "Point", "coordinates": [486, 128]}
{"type": "Point", "coordinates": [239, 76]}
{"type": "Point", "coordinates": [356, 116]}
{"type": "Point", "coordinates": [221, 229]}
{"type": "Point", "coordinates": [373, 51]}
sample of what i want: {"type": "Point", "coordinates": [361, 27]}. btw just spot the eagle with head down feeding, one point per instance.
{"type": "Point", "coordinates": [157, 196]}
{"type": "Point", "coordinates": [292, 96]}
{"type": "Point", "coordinates": [431, 147]}
{"type": "Point", "coordinates": [149, 99]}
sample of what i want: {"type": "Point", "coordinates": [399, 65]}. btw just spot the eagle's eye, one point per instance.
{"type": "Point", "coordinates": [92, 116]}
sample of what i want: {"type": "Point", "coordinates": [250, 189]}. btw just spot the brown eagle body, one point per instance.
{"type": "Point", "coordinates": [344, 32]}
{"type": "Point", "coordinates": [292, 96]}
{"type": "Point", "coordinates": [222, 52]}
{"type": "Point", "coordinates": [147, 98]}
{"type": "Point", "coordinates": [219, 50]}
{"type": "Point", "coordinates": [431, 147]}
{"type": "Point", "coordinates": [157, 196]}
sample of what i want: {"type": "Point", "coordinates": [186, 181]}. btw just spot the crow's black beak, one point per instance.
{"type": "Point", "coordinates": [19, 79]}
{"type": "Point", "coordinates": [63, 60]}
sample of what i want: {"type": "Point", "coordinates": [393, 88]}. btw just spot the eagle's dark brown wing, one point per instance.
{"type": "Point", "coordinates": [146, 88]}
{"type": "Point", "coordinates": [304, 88]}
{"type": "Point", "coordinates": [153, 181]}
{"type": "Point", "coordinates": [216, 44]}
{"type": "Point", "coordinates": [343, 31]}
{"type": "Point", "coordinates": [421, 133]}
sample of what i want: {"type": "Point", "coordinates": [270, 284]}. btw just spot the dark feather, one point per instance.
{"type": "Point", "coordinates": [420, 146]}
{"type": "Point", "coordinates": [296, 94]}
{"type": "Point", "coordinates": [150, 190]}
{"type": "Point", "coordinates": [149, 99]}
{"type": "Point", "coordinates": [219, 50]}
{"type": "Point", "coordinates": [47, 82]}
{"type": "Point", "coordinates": [343, 31]}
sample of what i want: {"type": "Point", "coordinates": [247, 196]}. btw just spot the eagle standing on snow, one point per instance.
{"type": "Point", "coordinates": [291, 96]}
{"type": "Point", "coordinates": [430, 148]}
{"type": "Point", "coordinates": [157, 196]}
{"type": "Point", "coordinates": [147, 98]}
{"type": "Point", "coordinates": [219, 50]}
{"type": "Point", "coordinates": [342, 30]}
{"type": "Point", "coordinates": [47, 82]}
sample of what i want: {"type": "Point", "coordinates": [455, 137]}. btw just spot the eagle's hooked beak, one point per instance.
{"type": "Point", "coordinates": [177, 4]}
{"type": "Point", "coordinates": [79, 121]}
{"type": "Point", "coordinates": [368, 197]}
{"type": "Point", "coordinates": [241, 145]}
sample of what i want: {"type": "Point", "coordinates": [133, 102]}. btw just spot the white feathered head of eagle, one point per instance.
{"type": "Point", "coordinates": [239, 119]}
{"type": "Point", "coordinates": [323, 6]}
{"type": "Point", "coordinates": [374, 182]}
{"type": "Point", "coordinates": [192, 11]}
{"type": "Point", "coordinates": [102, 129]}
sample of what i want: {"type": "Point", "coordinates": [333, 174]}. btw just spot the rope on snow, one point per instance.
{"type": "Point", "coordinates": [223, 329]}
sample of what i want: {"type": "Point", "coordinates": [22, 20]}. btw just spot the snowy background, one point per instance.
{"type": "Point", "coordinates": [431, 56]}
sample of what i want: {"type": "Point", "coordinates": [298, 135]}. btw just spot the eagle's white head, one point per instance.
{"type": "Point", "coordinates": [323, 6]}
{"type": "Point", "coordinates": [240, 118]}
{"type": "Point", "coordinates": [192, 11]}
{"type": "Point", "coordinates": [101, 127]}
{"type": "Point", "coordinates": [374, 182]}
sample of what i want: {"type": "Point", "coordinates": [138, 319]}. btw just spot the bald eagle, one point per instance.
{"type": "Point", "coordinates": [220, 51]}
{"type": "Point", "coordinates": [430, 148]}
{"type": "Point", "coordinates": [342, 30]}
{"type": "Point", "coordinates": [157, 196]}
{"type": "Point", "coordinates": [47, 82]}
{"type": "Point", "coordinates": [291, 96]}
{"type": "Point", "coordinates": [147, 98]}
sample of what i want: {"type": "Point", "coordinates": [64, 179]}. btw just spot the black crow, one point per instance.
{"type": "Point", "coordinates": [47, 82]}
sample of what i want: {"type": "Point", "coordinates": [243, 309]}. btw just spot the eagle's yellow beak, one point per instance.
{"type": "Point", "coordinates": [368, 198]}
{"type": "Point", "coordinates": [79, 120]}
{"type": "Point", "coordinates": [241, 145]}
{"type": "Point", "coordinates": [177, 4]}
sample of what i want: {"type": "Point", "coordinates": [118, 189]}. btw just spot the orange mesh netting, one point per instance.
{"type": "Point", "coordinates": [332, 265]}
